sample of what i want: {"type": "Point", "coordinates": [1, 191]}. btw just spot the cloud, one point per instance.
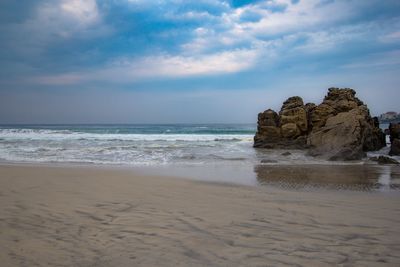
{"type": "Point", "coordinates": [259, 23]}
{"type": "Point", "coordinates": [64, 18]}
{"type": "Point", "coordinates": [126, 70]}
{"type": "Point", "coordinates": [120, 61]}
{"type": "Point", "coordinates": [301, 28]}
{"type": "Point", "coordinates": [53, 38]}
{"type": "Point", "coordinates": [224, 62]}
{"type": "Point", "coordinates": [83, 41]}
{"type": "Point", "coordinates": [85, 11]}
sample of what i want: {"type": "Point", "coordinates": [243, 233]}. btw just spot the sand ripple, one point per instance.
{"type": "Point", "coordinates": [83, 217]}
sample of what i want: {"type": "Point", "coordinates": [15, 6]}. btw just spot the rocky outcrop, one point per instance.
{"type": "Point", "coordinates": [394, 132]}
{"type": "Point", "coordinates": [286, 130]}
{"type": "Point", "coordinates": [343, 128]}
{"type": "Point", "coordinates": [340, 128]}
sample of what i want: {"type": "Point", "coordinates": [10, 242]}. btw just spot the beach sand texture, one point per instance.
{"type": "Point", "coordinates": [76, 216]}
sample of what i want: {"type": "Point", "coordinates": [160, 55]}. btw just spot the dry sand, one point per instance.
{"type": "Point", "coordinates": [72, 216]}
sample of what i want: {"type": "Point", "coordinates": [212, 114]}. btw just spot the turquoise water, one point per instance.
{"type": "Point", "coordinates": [237, 129]}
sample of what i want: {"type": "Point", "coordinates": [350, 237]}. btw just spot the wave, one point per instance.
{"type": "Point", "coordinates": [228, 139]}
{"type": "Point", "coordinates": [140, 129]}
{"type": "Point", "coordinates": [11, 131]}
{"type": "Point", "coordinates": [58, 135]}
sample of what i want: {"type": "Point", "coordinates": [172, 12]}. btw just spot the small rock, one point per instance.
{"type": "Point", "coordinates": [287, 153]}
{"type": "Point", "coordinates": [394, 131]}
{"type": "Point", "coordinates": [387, 132]}
{"type": "Point", "coordinates": [269, 161]}
{"type": "Point", "coordinates": [348, 154]}
{"type": "Point", "coordinates": [395, 148]}
{"type": "Point", "coordinates": [384, 160]}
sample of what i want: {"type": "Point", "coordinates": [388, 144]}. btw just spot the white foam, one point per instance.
{"type": "Point", "coordinates": [40, 145]}
{"type": "Point", "coordinates": [57, 135]}
{"type": "Point", "coordinates": [44, 145]}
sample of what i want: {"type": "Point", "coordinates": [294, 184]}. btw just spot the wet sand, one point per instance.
{"type": "Point", "coordinates": [80, 216]}
{"type": "Point", "coordinates": [364, 177]}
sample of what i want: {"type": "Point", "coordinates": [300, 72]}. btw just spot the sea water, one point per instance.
{"type": "Point", "coordinates": [140, 145]}
{"type": "Point", "coordinates": [127, 144]}
{"type": "Point", "coordinates": [218, 152]}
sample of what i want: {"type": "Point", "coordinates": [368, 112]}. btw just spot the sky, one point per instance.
{"type": "Point", "coordinates": [203, 61]}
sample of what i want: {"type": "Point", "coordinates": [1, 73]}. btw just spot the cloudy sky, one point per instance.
{"type": "Point", "coordinates": [169, 61]}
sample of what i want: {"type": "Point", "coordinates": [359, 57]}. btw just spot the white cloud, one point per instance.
{"type": "Point", "coordinates": [129, 70]}
{"type": "Point", "coordinates": [64, 19]}
{"type": "Point", "coordinates": [301, 17]}
{"type": "Point", "coordinates": [228, 45]}
{"type": "Point", "coordinates": [85, 11]}
{"type": "Point", "coordinates": [224, 62]}
{"type": "Point", "coordinates": [190, 15]}
{"type": "Point", "coordinates": [304, 27]}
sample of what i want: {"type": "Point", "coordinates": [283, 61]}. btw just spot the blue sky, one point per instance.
{"type": "Point", "coordinates": [168, 61]}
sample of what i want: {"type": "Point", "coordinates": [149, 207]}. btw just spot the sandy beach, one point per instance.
{"type": "Point", "coordinates": [81, 216]}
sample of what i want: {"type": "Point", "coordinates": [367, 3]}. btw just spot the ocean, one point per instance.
{"type": "Point", "coordinates": [140, 145]}
{"type": "Point", "coordinates": [213, 152]}
{"type": "Point", "coordinates": [127, 144]}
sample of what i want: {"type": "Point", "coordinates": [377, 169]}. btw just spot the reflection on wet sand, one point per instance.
{"type": "Point", "coordinates": [346, 177]}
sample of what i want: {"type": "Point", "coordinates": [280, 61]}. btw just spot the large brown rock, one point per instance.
{"type": "Point", "coordinates": [340, 128]}
{"type": "Point", "coordinates": [343, 128]}
{"type": "Point", "coordinates": [286, 130]}
{"type": "Point", "coordinates": [341, 137]}
{"type": "Point", "coordinates": [268, 130]}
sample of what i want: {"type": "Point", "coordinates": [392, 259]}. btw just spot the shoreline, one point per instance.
{"type": "Point", "coordinates": [102, 217]}
{"type": "Point", "coordinates": [346, 176]}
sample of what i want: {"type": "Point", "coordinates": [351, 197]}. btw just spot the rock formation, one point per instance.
{"type": "Point", "coordinates": [343, 128]}
{"type": "Point", "coordinates": [286, 130]}
{"type": "Point", "coordinates": [394, 132]}
{"type": "Point", "coordinates": [340, 128]}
